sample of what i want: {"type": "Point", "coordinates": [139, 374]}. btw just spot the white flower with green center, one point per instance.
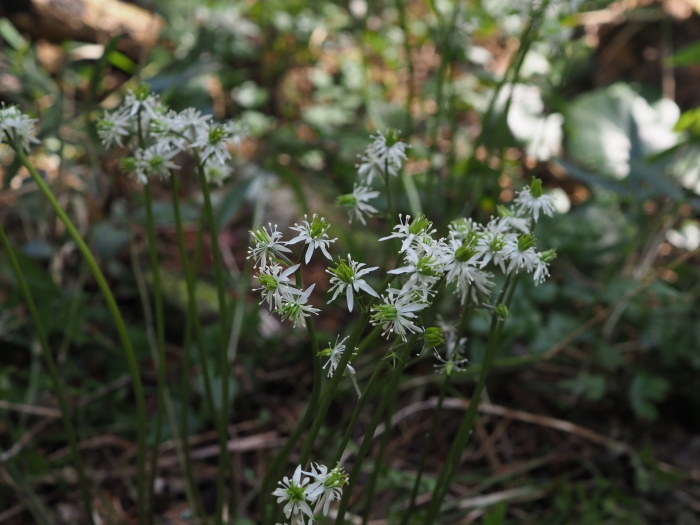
{"type": "Point", "coordinates": [533, 200]}
{"type": "Point", "coordinates": [542, 265]}
{"type": "Point", "coordinates": [356, 203]}
{"type": "Point", "coordinates": [327, 485]}
{"type": "Point", "coordinates": [267, 244]}
{"type": "Point", "coordinates": [156, 161]}
{"type": "Point", "coordinates": [521, 253]}
{"type": "Point", "coordinates": [397, 314]}
{"type": "Point", "coordinates": [491, 245]}
{"type": "Point", "coordinates": [314, 235]}
{"type": "Point", "coordinates": [383, 157]}
{"type": "Point", "coordinates": [348, 278]}
{"type": "Point", "coordinates": [16, 127]}
{"type": "Point", "coordinates": [114, 127]}
{"type": "Point", "coordinates": [295, 308]}
{"type": "Point", "coordinates": [425, 267]}
{"type": "Point", "coordinates": [275, 284]}
{"type": "Point", "coordinates": [334, 353]}
{"type": "Point", "coordinates": [213, 139]}
{"type": "Point", "coordinates": [461, 261]}
{"type": "Point", "coordinates": [410, 232]}
{"type": "Point", "coordinates": [296, 495]}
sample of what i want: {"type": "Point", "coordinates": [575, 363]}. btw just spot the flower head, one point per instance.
{"type": "Point", "coordinates": [356, 203]}
{"type": "Point", "coordinates": [384, 156]}
{"type": "Point", "coordinates": [348, 278]}
{"type": "Point", "coordinates": [533, 200]}
{"type": "Point", "coordinates": [397, 313]}
{"type": "Point", "coordinates": [334, 353]}
{"type": "Point", "coordinates": [296, 494]}
{"type": "Point", "coordinates": [267, 243]}
{"type": "Point", "coordinates": [275, 287]}
{"type": "Point", "coordinates": [295, 309]}
{"type": "Point", "coordinates": [313, 234]}
{"type": "Point", "coordinates": [327, 485]}
{"type": "Point", "coordinates": [17, 127]}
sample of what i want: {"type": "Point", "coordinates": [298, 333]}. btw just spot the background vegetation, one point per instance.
{"type": "Point", "coordinates": [592, 413]}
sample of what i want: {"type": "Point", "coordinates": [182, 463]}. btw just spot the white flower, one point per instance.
{"type": "Point", "coordinates": [348, 278]}
{"type": "Point", "coordinates": [275, 288]}
{"type": "Point", "coordinates": [215, 172]}
{"type": "Point", "coordinates": [521, 253]}
{"type": "Point", "coordinates": [491, 245]}
{"type": "Point", "coordinates": [314, 235]}
{"type": "Point", "coordinates": [16, 127]}
{"type": "Point", "coordinates": [295, 309]}
{"type": "Point", "coordinates": [397, 313]}
{"type": "Point", "coordinates": [480, 284]}
{"type": "Point", "coordinates": [411, 232]}
{"type": "Point", "coordinates": [327, 486]}
{"type": "Point", "coordinates": [450, 364]}
{"type": "Point", "coordinates": [155, 161]}
{"type": "Point", "coordinates": [295, 493]}
{"type": "Point", "coordinates": [213, 139]}
{"type": "Point", "coordinates": [266, 243]}
{"type": "Point", "coordinates": [113, 127]}
{"type": "Point", "coordinates": [334, 353]}
{"type": "Point", "coordinates": [532, 200]}
{"type": "Point", "coordinates": [424, 265]}
{"type": "Point", "coordinates": [385, 155]}
{"type": "Point", "coordinates": [461, 262]}
{"type": "Point", "coordinates": [356, 203]}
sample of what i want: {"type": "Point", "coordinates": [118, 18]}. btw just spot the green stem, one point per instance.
{"type": "Point", "coordinates": [160, 340]}
{"type": "Point", "coordinates": [318, 381]}
{"type": "Point", "coordinates": [224, 364]}
{"type": "Point", "coordinates": [193, 324]}
{"type": "Point", "coordinates": [372, 485]}
{"type": "Point", "coordinates": [452, 461]}
{"type": "Point", "coordinates": [53, 372]}
{"type": "Point", "coordinates": [119, 324]}
{"type": "Point", "coordinates": [369, 433]}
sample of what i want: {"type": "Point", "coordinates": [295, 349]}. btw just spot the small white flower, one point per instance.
{"type": "Point", "coordinates": [384, 156]}
{"type": "Point", "coordinates": [114, 127]}
{"type": "Point", "coordinates": [213, 140]}
{"type": "Point", "coordinates": [16, 127]}
{"type": "Point", "coordinates": [356, 203]}
{"type": "Point", "coordinates": [154, 161]}
{"type": "Point", "coordinates": [491, 245]}
{"type": "Point", "coordinates": [327, 486]}
{"type": "Point", "coordinates": [266, 244]}
{"type": "Point", "coordinates": [314, 235]}
{"type": "Point", "coordinates": [410, 232]}
{"type": "Point", "coordinates": [295, 493]}
{"type": "Point", "coordinates": [424, 267]}
{"type": "Point", "coordinates": [275, 287]}
{"type": "Point", "coordinates": [348, 278]}
{"type": "Point", "coordinates": [295, 309]}
{"type": "Point", "coordinates": [215, 172]}
{"type": "Point", "coordinates": [334, 353]}
{"type": "Point", "coordinates": [461, 262]}
{"type": "Point", "coordinates": [532, 200]}
{"type": "Point", "coordinates": [521, 253]}
{"type": "Point", "coordinates": [397, 313]}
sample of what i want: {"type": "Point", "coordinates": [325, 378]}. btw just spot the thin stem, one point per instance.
{"type": "Point", "coordinates": [452, 461]}
{"type": "Point", "coordinates": [53, 372]}
{"type": "Point", "coordinates": [193, 324]}
{"type": "Point", "coordinates": [369, 433]}
{"type": "Point", "coordinates": [118, 322]}
{"type": "Point", "coordinates": [160, 340]}
{"type": "Point", "coordinates": [225, 366]}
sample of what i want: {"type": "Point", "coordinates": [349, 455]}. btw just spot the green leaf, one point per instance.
{"type": "Point", "coordinates": [686, 56]}
{"type": "Point", "coordinates": [645, 391]}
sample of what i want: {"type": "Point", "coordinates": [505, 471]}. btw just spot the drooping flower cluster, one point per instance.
{"type": "Point", "coordinates": [320, 487]}
{"type": "Point", "coordinates": [158, 134]}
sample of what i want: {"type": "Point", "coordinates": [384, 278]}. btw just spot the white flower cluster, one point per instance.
{"type": "Point", "coordinates": [16, 127]}
{"type": "Point", "coordinates": [159, 134]}
{"type": "Point", "coordinates": [460, 260]}
{"type": "Point", "coordinates": [276, 286]}
{"type": "Point", "coordinates": [320, 486]}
